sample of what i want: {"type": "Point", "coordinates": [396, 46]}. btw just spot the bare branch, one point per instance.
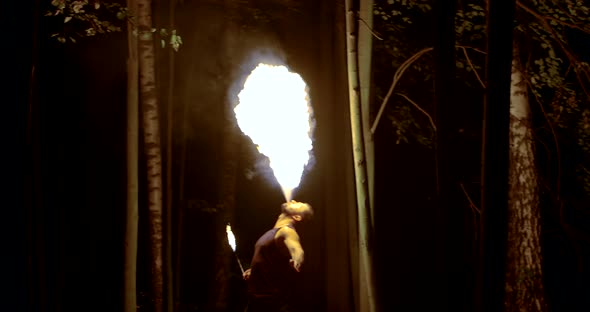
{"type": "Point", "coordinates": [370, 29]}
{"type": "Point", "coordinates": [471, 204]}
{"type": "Point", "coordinates": [551, 18]}
{"type": "Point", "coordinates": [420, 109]}
{"type": "Point", "coordinates": [483, 85]}
{"type": "Point", "coordinates": [396, 77]}
{"type": "Point", "coordinates": [472, 48]}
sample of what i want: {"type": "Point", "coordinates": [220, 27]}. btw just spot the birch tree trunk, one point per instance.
{"type": "Point", "coordinates": [366, 287]}
{"type": "Point", "coordinates": [365, 64]}
{"type": "Point", "coordinates": [524, 275]}
{"type": "Point", "coordinates": [131, 227]}
{"type": "Point", "coordinates": [152, 145]}
{"type": "Point", "coordinates": [365, 52]}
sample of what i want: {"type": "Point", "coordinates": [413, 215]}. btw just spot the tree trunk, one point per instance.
{"type": "Point", "coordinates": [131, 228]}
{"type": "Point", "coordinates": [36, 275]}
{"type": "Point", "coordinates": [365, 46]}
{"type": "Point", "coordinates": [169, 187]}
{"type": "Point", "coordinates": [524, 278]}
{"type": "Point", "coordinates": [367, 281]}
{"type": "Point", "coordinates": [494, 157]}
{"type": "Point", "coordinates": [365, 51]}
{"type": "Point", "coordinates": [226, 196]}
{"type": "Point", "coordinates": [153, 152]}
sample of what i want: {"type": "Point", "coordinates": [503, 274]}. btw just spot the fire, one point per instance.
{"type": "Point", "coordinates": [231, 239]}
{"type": "Point", "coordinates": [274, 111]}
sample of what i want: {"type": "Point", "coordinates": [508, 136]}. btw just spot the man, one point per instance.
{"type": "Point", "coordinates": [278, 256]}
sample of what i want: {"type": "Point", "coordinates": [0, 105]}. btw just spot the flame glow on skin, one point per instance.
{"type": "Point", "coordinates": [274, 111]}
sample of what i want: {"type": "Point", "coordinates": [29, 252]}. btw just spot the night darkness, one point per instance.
{"type": "Point", "coordinates": [65, 173]}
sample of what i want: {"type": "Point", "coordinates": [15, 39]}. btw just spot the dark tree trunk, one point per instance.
{"type": "Point", "coordinates": [132, 216]}
{"type": "Point", "coordinates": [230, 148]}
{"type": "Point", "coordinates": [494, 192]}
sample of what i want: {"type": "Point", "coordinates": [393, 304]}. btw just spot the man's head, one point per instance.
{"type": "Point", "coordinates": [298, 211]}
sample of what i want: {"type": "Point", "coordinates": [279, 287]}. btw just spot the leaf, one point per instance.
{"type": "Point", "coordinates": [67, 19]}
{"type": "Point", "coordinates": [96, 5]}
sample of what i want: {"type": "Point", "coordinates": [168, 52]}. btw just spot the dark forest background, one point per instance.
{"type": "Point", "coordinates": [64, 190]}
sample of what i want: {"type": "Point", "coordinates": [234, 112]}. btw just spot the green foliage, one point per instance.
{"type": "Point", "coordinates": [557, 76]}
{"type": "Point", "coordinates": [170, 37]}
{"type": "Point", "coordinates": [405, 123]}
{"type": "Point", "coordinates": [470, 24]}
{"type": "Point", "coordinates": [404, 27]}
{"type": "Point", "coordinates": [78, 19]}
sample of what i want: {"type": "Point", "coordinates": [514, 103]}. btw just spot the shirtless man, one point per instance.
{"type": "Point", "coordinates": [278, 255]}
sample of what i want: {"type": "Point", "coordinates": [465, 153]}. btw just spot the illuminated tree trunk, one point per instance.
{"type": "Point", "coordinates": [152, 146]}
{"type": "Point", "coordinates": [366, 289]}
{"type": "Point", "coordinates": [524, 278]}
{"type": "Point", "coordinates": [365, 47]}
{"type": "Point", "coordinates": [131, 228]}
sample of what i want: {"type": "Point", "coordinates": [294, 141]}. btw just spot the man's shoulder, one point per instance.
{"type": "Point", "coordinates": [286, 231]}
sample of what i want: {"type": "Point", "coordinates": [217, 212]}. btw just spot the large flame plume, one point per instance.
{"type": "Point", "coordinates": [274, 111]}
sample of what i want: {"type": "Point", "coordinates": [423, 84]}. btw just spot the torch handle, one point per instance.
{"type": "Point", "coordinates": [240, 263]}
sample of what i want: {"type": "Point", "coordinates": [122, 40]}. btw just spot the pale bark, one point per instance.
{"type": "Point", "coordinates": [366, 289]}
{"type": "Point", "coordinates": [152, 145]}
{"type": "Point", "coordinates": [524, 275]}
{"type": "Point", "coordinates": [365, 50]}
{"type": "Point", "coordinates": [131, 227]}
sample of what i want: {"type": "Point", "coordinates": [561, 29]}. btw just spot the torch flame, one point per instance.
{"type": "Point", "coordinates": [274, 112]}
{"type": "Point", "coordinates": [230, 237]}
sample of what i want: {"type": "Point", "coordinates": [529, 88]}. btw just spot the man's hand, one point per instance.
{"type": "Point", "coordinates": [295, 265]}
{"type": "Point", "coordinates": [247, 274]}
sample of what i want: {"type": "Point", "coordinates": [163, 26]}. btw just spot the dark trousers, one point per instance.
{"type": "Point", "coordinates": [267, 304]}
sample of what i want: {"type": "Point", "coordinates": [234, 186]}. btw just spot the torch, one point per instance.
{"type": "Point", "coordinates": [232, 243]}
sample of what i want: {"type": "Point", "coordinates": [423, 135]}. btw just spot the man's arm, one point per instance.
{"type": "Point", "coordinates": [291, 240]}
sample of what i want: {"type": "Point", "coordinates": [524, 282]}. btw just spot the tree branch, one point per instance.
{"type": "Point", "coordinates": [420, 109]}
{"type": "Point", "coordinates": [483, 85]}
{"type": "Point", "coordinates": [570, 56]}
{"type": "Point", "coordinates": [551, 18]}
{"type": "Point", "coordinates": [370, 29]}
{"type": "Point", "coordinates": [471, 204]}
{"type": "Point", "coordinates": [396, 77]}
{"type": "Point", "coordinates": [400, 71]}
{"type": "Point", "coordinates": [553, 133]}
